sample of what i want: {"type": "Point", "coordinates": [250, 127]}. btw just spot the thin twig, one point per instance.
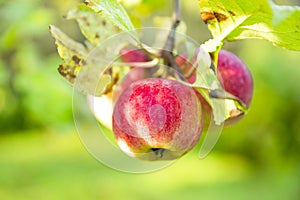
{"type": "Point", "coordinates": [148, 64]}
{"type": "Point", "coordinates": [167, 52]}
{"type": "Point", "coordinates": [169, 45]}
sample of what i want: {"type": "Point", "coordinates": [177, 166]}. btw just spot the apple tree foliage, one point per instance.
{"type": "Point", "coordinates": [226, 19]}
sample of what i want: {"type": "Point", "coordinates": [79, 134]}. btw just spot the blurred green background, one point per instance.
{"type": "Point", "coordinates": [41, 156]}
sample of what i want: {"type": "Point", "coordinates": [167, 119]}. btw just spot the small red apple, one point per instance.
{"type": "Point", "coordinates": [157, 119]}
{"type": "Point", "coordinates": [134, 55]}
{"type": "Point", "coordinates": [233, 75]}
{"type": "Point", "coordinates": [236, 79]}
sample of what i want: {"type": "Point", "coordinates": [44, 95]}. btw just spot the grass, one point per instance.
{"type": "Point", "coordinates": [55, 166]}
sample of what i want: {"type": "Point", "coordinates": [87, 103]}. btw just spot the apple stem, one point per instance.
{"type": "Point", "coordinates": [158, 151]}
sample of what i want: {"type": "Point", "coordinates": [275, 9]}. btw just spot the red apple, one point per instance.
{"type": "Point", "coordinates": [157, 119]}
{"type": "Point", "coordinates": [232, 72]}
{"type": "Point", "coordinates": [235, 76]}
{"type": "Point", "coordinates": [134, 55]}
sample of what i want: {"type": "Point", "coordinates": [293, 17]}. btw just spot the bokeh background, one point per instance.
{"type": "Point", "coordinates": [41, 156]}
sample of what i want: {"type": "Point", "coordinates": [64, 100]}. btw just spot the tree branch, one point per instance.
{"type": "Point", "coordinates": [169, 45]}
{"type": "Point", "coordinates": [167, 52]}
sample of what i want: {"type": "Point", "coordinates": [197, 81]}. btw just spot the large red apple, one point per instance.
{"type": "Point", "coordinates": [157, 119]}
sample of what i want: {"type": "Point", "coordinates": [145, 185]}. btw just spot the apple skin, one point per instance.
{"type": "Point", "coordinates": [134, 55]}
{"type": "Point", "coordinates": [102, 108]}
{"type": "Point", "coordinates": [235, 76]}
{"type": "Point", "coordinates": [157, 119]}
{"type": "Point", "coordinates": [236, 79]}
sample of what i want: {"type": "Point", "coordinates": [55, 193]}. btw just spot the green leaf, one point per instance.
{"type": "Point", "coordinates": [72, 53]}
{"type": "Point", "coordinates": [206, 80]}
{"type": "Point", "coordinates": [93, 25]}
{"type": "Point", "coordinates": [205, 76]}
{"type": "Point", "coordinates": [115, 13]}
{"type": "Point", "coordinates": [248, 19]}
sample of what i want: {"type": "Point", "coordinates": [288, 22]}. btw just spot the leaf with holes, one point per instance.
{"type": "Point", "coordinates": [83, 65]}
{"type": "Point", "coordinates": [74, 56]}
{"type": "Point", "coordinates": [92, 25]}
{"type": "Point", "coordinates": [72, 53]}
